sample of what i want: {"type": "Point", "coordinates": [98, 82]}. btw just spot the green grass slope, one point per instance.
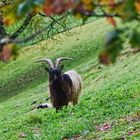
{"type": "Point", "coordinates": [108, 109]}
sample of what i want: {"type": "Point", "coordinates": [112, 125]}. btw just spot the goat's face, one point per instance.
{"type": "Point", "coordinates": [54, 70]}
{"type": "Point", "coordinates": [55, 73]}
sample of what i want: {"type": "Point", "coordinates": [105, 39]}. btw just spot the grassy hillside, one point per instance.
{"type": "Point", "coordinates": [108, 109]}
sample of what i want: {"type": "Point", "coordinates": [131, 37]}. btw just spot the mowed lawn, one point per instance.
{"type": "Point", "coordinates": [109, 107]}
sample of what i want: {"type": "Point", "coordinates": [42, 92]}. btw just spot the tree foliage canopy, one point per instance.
{"type": "Point", "coordinates": [126, 10]}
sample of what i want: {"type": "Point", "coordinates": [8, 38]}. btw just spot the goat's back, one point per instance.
{"type": "Point", "coordinates": [76, 81]}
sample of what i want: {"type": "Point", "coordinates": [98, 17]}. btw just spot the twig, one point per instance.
{"type": "Point", "coordinates": [23, 26]}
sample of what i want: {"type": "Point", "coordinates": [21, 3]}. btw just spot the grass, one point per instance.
{"type": "Point", "coordinates": [110, 94]}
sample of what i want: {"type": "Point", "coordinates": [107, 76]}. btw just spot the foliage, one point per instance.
{"type": "Point", "coordinates": [126, 10]}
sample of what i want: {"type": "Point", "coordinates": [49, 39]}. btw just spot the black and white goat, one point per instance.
{"type": "Point", "coordinates": [64, 87]}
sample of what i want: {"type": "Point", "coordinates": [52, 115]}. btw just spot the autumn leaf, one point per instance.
{"type": "Point", "coordinates": [107, 2]}
{"type": "Point", "coordinates": [134, 132]}
{"type": "Point", "coordinates": [6, 53]}
{"type": "Point", "coordinates": [65, 138]}
{"type": "Point", "coordinates": [120, 10]}
{"type": "Point", "coordinates": [126, 10]}
{"type": "Point", "coordinates": [9, 19]}
{"type": "Point", "coordinates": [52, 7]}
{"type": "Point", "coordinates": [87, 2]}
{"type": "Point", "coordinates": [108, 5]}
{"type": "Point", "coordinates": [104, 127]}
{"type": "Point", "coordinates": [77, 15]}
{"type": "Point", "coordinates": [47, 8]}
{"type": "Point", "coordinates": [37, 9]}
{"type": "Point", "coordinates": [112, 21]}
{"type": "Point", "coordinates": [104, 58]}
{"type": "Point", "coordinates": [112, 48]}
{"type": "Point", "coordinates": [87, 5]}
{"type": "Point", "coordinates": [83, 8]}
{"type": "Point", "coordinates": [137, 5]}
{"type": "Point", "coordinates": [9, 51]}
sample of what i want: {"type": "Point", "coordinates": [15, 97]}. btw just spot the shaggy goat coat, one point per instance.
{"type": "Point", "coordinates": [65, 89]}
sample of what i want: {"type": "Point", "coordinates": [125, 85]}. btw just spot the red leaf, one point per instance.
{"type": "Point", "coordinates": [52, 7]}
{"type": "Point", "coordinates": [6, 53]}
{"type": "Point", "coordinates": [112, 21]}
{"type": "Point", "coordinates": [104, 127]}
{"type": "Point", "coordinates": [134, 132]}
{"type": "Point", "coordinates": [137, 5]}
{"type": "Point", "coordinates": [104, 58]}
{"type": "Point", "coordinates": [107, 2]}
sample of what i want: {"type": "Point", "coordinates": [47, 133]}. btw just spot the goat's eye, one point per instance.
{"type": "Point", "coordinates": [47, 69]}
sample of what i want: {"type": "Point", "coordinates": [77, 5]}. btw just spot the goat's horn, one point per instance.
{"type": "Point", "coordinates": [58, 60]}
{"type": "Point", "coordinates": [49, 61]}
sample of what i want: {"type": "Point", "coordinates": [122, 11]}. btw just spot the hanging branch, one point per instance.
{"type": "Point", "coordinates": [52, 18]}
{"type": "Point", "coordinates": [37, 33]}
{"type": "Point", "coordinates": [50, 26]}
{"type": "Point", "coordinates": [23, 26]}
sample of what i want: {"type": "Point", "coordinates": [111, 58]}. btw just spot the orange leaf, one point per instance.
{"type": "Point", "coordinates": [6, 53]}
{"type": "Point", "coordinates": [137, 5]}
{"type": "Point", "coordinates": [107, 2]}
{"type": "Point", "coordinates": [87, 2]}
{"type": "Point", "coordinates": [48, 8]}
{"type": "Point", "coordinates": [112, 21]}
{"type": "Point", "coordinates": [104, 58]}
{"type": "Point", "coordinates": [104, 127]}
{"type": "Point", "coordinates": [9, 19]}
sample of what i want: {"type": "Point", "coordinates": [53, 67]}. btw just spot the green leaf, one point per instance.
{"type": "Point", "coordinates": [134, 39]}
{"type": "Point", "coordinates": [113, 46]}
{"type": "Point", "coordinates": [130, 9]}
{"type": "Point", "coordinates": [111, 37]}
{"type": "Point", "coordinates": [25, 7]}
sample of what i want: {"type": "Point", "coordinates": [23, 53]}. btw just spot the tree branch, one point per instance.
{"type": "Point", "coordinates": [23, 26]}
{"type": "Point", "coordinates": [51, 17]}
{"type": "Point", "coordinates": [37, 33]}
{"type": "Point", "coordinates": [33, 35]}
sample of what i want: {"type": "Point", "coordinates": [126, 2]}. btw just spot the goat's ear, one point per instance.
{"type": "Point", "coordinates": [47, 69]}
{"type": "Point", "coordinates": [61, 67]}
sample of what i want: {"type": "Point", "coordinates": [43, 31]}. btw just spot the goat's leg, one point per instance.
{"type": "Point", "coordinates": [75, 101]}
{"type": "Point", "coordinates": [75, 98]}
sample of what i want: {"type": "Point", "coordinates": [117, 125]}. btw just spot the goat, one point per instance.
{"type": "Point", "coordinates": [64, 87]}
